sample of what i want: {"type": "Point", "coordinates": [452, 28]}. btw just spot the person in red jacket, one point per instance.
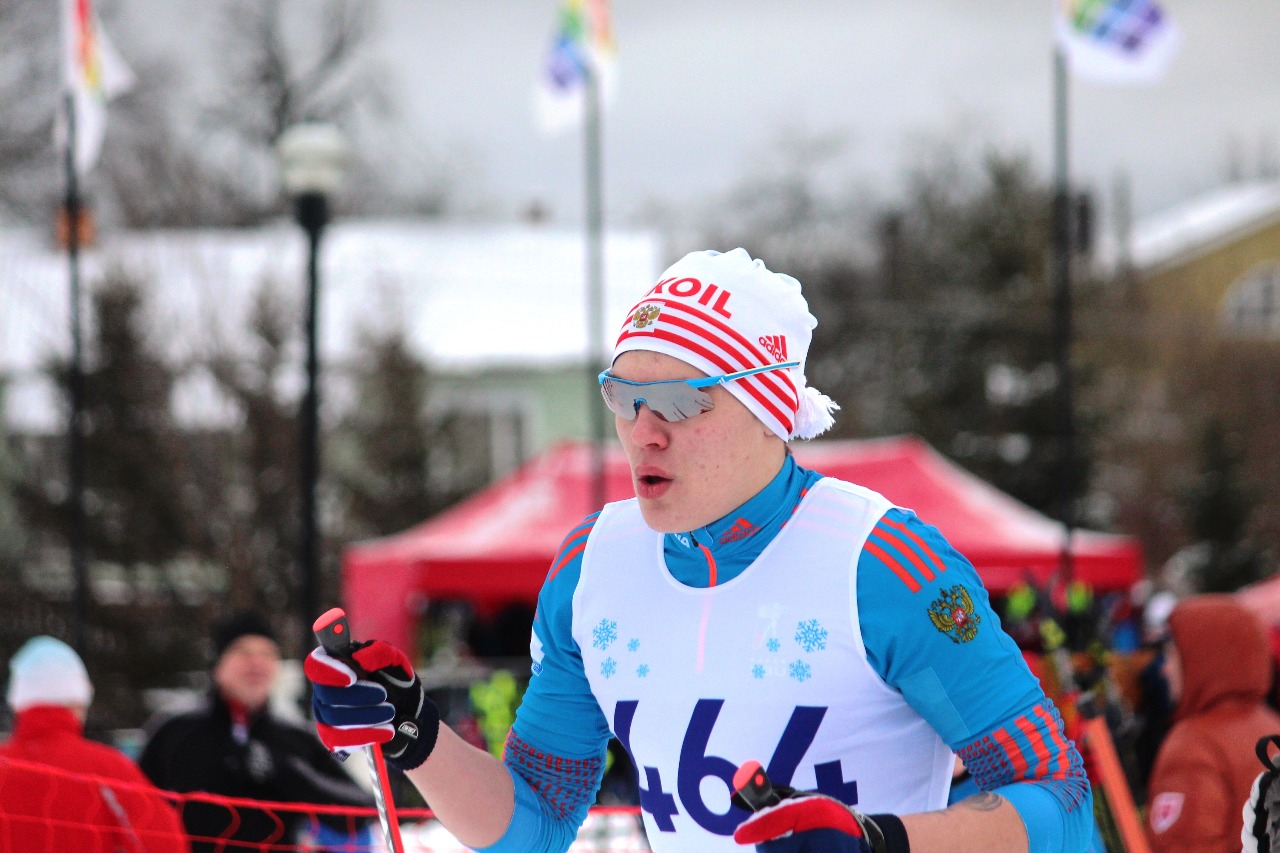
{"type": "Point", "coordinates": [58, 789]}
{"type": "Point", "coordinates": [1219, 670]}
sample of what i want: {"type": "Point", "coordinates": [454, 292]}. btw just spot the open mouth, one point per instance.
{"type": "Point", "coordinates": [652, 486]}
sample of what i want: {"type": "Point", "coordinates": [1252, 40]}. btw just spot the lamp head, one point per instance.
{"type": "Point", "coordinates": [313, 159]}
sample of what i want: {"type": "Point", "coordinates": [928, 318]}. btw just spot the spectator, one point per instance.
{"type": "Point", "coordinates": [92, 798]}
{"type": "Point", "coordinates": [1153, 706]}
{"type": "Point", "coordinates": [1218, 669]}
{"type": "Point", "coordinates": [234, 745]}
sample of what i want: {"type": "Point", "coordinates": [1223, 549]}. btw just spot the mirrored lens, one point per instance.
{"type": "Point", "coordinates": [671, 401]}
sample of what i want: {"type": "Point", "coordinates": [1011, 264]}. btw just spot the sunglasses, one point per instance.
{"type": "Point", "coordinates": [670, 399]}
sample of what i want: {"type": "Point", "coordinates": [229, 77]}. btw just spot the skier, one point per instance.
{"type": "Point", "coordinates": [741, 607]}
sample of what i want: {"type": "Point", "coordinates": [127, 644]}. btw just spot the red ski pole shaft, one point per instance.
{"type": "Point", "coordinates": [333, 632]}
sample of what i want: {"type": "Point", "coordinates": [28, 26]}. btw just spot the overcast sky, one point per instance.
{"type": "Point", "coordinates": [707, 89]}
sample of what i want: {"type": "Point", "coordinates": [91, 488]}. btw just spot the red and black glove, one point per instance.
{"type": "Point", "coordinates": [378, 700]}
{"type": "Point", "coordinates": [791, 821]}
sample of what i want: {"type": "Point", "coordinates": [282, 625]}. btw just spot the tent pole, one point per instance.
{"type": "Point", "coordinates": [595, 280]}
{"type": "Point", "coordinates": [1062, 314]}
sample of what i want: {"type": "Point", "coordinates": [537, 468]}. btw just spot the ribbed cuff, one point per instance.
{"type": "Point", "coordinates": [421, 742]}
{"type": "Point", "coordinates": [895, 834]}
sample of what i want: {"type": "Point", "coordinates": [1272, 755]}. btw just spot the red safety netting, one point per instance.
{"type": "Point", "coordinates": [46, 809]}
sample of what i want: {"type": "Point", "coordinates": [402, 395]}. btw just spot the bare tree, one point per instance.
{"type": "Point", "coordinates": [157, 171]}
{"type": "Point", "coordinates": [282, 66]}
{"type": "Point", "coordinates": [177, 156]}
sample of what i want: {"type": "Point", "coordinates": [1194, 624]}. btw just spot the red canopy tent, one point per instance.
{"type": "Point", "coordinates": [495, 547]}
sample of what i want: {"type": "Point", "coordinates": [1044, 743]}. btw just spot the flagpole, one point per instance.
{"type": "Point", "coordinates": [1061, 267]}
{"type": "Point", "coordinates": [593, 184]}
{"type": "Point", "coordinates": [75, 433]}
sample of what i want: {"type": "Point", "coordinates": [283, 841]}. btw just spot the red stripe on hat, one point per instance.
{"type": "Point", "coordinates": [784, 418]}
{"type": "Point", "coordinates": [762, 386]}
{"type": "Point", "coordinates": [771, 406]}
{"type": "Point", "coordinates": [756, 358]}
{"type": "Point", "coordinates": [786, 395]}
{"type": "Point", "coordinates": [730, 333]}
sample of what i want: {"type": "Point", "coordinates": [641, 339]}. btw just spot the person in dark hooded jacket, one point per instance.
{"type": "Point", "coordinates": [234, 745]}
{"type": "Point", "coordinates": [1219, 670]}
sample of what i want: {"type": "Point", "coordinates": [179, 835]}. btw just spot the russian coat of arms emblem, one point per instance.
{"type": "Point", "coordinates": [954, 615]}
{"type": "Point", "coordinates": [645, 316]}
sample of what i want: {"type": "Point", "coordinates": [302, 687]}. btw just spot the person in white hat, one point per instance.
{"type": "Point", "coordinates": [741, 608]}
{"type": "Point", "coordinates": [58, 789]}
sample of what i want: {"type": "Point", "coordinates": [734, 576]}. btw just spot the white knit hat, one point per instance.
{"type": "Point", "coordinates": [46, 671]}
{"type": "Point", "coordinates": [725, 312]}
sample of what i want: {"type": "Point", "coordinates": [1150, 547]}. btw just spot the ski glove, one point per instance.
{"type": "Point", "coordinates": [375, 697]}
{"type": "Point", "coordinates": [791, 821]}
{"type": "Point", "coordinates": [1261, 831]}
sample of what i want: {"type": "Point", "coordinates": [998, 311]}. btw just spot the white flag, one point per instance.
{"type": "Point", "coordinates": [93, 73]}
{"type": "Point", "coordinates": [1116, 41]}
{"type": "Point", "coordinates": [583, 45]}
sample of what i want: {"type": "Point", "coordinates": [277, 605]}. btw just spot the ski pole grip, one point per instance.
{"type": "Point", "coordinates": [752, 785]}
{"type": "Point", "coordinates": [334, 633]}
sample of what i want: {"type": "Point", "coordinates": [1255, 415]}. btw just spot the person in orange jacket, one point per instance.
{"type": "Point", "coordinates": [58, 789]}
{"type": "Point", "coordinates": [1219, 670]}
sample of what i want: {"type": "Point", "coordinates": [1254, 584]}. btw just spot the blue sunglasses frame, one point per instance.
{"type": "Point", "coordinates": [675, 399]}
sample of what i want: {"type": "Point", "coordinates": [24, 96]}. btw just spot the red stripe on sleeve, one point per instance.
{"type": "Point", "coordinates": [1039, 749]}
{"type": "Point", "coordinates": [1010, 747]}
{"type": "Point", "coordinates": [893, 541]}
{"type": "Point", "coordinates": [574, 544]}
{"type": "Point", "coordinates": [903, 574]}
{"type": "Point", "coordinates": [1055, 734]}
{"type": "Point", "coordinates": [914, 537]}
{"type": "Point", "coordinates": [566, 556]}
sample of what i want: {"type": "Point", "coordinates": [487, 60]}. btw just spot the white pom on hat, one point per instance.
{"type": "Point", "coordinates": [816, 413]}
{"type": "Point", "coordinates": [727, 312]}
{"type": "Point", "coordinates": [46, 671]}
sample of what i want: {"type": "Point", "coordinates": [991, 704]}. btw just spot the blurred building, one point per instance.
{"type": "Point", "coordinates": [1209, 267]}
{"type": "Point", "coordinates": [1192, 313]}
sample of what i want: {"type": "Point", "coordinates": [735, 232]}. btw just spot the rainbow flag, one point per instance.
{"type": "Point", "coordinates": [93, 74]}
{"type": "Point", "coordinates": [583, 45]}
{"type": "Point", "coordinates": [1116, 41]}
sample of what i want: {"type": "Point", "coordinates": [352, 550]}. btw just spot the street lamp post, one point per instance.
{"type": "Point", "coordinates": [312, 160]}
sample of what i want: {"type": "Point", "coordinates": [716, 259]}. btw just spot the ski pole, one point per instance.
{"type": "Point", "coordinates": [334, 634]}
